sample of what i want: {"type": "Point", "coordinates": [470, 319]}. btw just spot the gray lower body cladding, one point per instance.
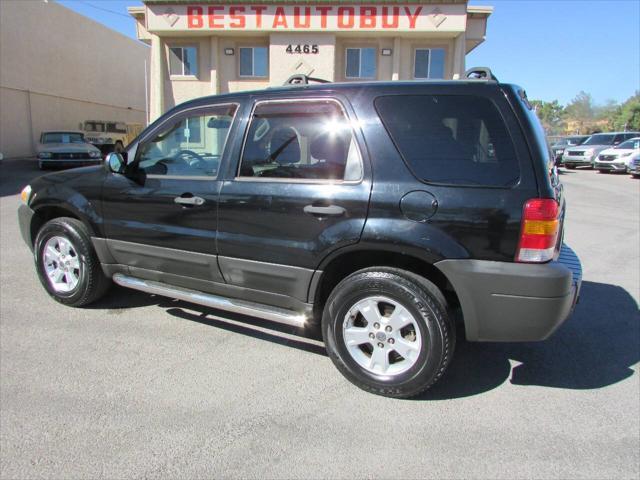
{"type": "Point", "coordinates": [509, 302]}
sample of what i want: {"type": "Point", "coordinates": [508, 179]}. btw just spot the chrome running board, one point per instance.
{"type": "Point", "coordinates": [266, 312]}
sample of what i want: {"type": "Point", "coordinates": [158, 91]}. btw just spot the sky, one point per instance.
{"type": "Point", "coordinates": [553, 48]}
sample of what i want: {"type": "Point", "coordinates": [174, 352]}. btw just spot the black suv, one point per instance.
{"type": "Point", "coordinates": [376, 210]}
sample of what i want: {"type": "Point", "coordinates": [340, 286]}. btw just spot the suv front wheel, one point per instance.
{"type": "Point", "coordinates": [388, 331]}
{"type": "Point", "coordinates": [67, 265]}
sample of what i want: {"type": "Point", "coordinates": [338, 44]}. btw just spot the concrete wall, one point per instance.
{"type": "Point", "coordinates": [59, 68]}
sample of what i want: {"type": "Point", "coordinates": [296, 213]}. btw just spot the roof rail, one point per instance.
{"type": "Point", "coordinates": [301, 79]}
{"type": "Point", "coordinates": [480, 73]}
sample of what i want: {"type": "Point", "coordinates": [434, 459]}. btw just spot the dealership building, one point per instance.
{"type": "Point", "coordinates": [203, 48]}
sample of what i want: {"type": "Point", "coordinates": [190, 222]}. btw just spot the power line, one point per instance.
{"type": "Point", "coordinates": [107, 10]}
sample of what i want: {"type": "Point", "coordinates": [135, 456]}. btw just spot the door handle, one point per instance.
{"type": "Point", "coordinates": [189, 201]}
{"type": "Point", "coordinates": [331, 210]}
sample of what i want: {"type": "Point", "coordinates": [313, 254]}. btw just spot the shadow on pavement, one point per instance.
{"type": "Point", "coordinates": [595, 348]}
{"type": "Point", "coordinates": [15, 174]}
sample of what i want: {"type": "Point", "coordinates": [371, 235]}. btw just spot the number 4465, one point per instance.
{"type": "Point", "coordinates": [302, 49]}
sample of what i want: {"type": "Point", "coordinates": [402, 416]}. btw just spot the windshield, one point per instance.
{"type": "Point", "coordinates": [633, 144]}
{"type": "Point", "coordinates": [62, 137]}
{"type": "Point", "coordinates": [600, 139]}
{"type": "Point", "coordinates": [576, 140]}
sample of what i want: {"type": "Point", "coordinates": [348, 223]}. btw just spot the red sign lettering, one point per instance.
{"type": "Point", "coordinates": [323, 15]}
{"type": "Point", "coordinates": [280, 19]}
{"type": "Point", "coordinates": [349, 13]}
{"type": "Point", "coordinates": [194, 17]}
{"type": "Point", "coordinates": [296, 17]}
{"type": "Point", "coordinates": [368, 17]}
{"type": "Point", "coordinates": [414, 17]}
{"type": "Point", "coordinates": [385, 17]}
{"type": "Point", "coordinates": [213, 18]}
{"type": "Point", "coordinates": [258, 9]}
{"type": "Point", "coordinates": [237, 21]}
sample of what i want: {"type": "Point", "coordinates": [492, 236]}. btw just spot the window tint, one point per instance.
{"type": "Point", "coordinates": [183, 60]}
{"type": "Point", "coordinates": [451, 139]}
{"type": "Point", "coordinates": [300, 140]}
{"type": "Point", "coordinates": [253, 62]}
{"type": "Point", "coordinates": [190, 146]}
{"type": "Point", "coordinates": [360, 63]}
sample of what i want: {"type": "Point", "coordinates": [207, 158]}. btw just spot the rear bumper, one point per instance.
{"type": "Point", "coordinates": [515, 302]}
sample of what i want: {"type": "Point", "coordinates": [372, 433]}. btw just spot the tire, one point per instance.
{"type": "Point", "coordinates": [84, 281]}
{"type": "Point", "coordinates": [571, 167]}
{"type": "Point", "coordinates": [430, 332]}
{"type": "Point", "coordinates": [603, 171]}
{"type": "Point", "coordinates": [635, 175]}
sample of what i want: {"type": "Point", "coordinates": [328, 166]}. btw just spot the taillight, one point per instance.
{"type": "Point", "coordinates": [539, 231]}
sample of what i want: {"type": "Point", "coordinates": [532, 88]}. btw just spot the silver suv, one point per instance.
{"type": "Point", "coordinates": [585, 155]}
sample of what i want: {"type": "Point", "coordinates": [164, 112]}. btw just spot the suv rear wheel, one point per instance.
{"type": "Point", "coordinates": [388, 331]}
{"type": "Point", "coordinates": [67, 265]}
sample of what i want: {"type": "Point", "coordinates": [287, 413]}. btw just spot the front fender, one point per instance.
{"type": "Point", "coordinates": [63, 198]}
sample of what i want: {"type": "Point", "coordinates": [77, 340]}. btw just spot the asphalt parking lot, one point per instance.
{"type": "Point", "coordinates": [141, 386]}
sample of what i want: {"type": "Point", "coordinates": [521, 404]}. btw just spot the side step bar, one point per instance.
{"type": "Point", "coordinates": [266, 312]}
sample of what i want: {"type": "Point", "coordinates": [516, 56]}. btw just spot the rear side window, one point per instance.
{"type": "Point", "coordinates": [451, 139]}
{"type": "Point", "coordinates": [310, 140]}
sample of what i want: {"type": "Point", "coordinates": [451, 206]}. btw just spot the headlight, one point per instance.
{"type": "Point", "coordinates": [93, 154]}
{"type": "Point", "coordinates": [44, 155]}
{"type": "Point", "coordinates": [25, 194]}
{"type": "Point", "coordinates": [625, 154]}
{"type": "Point", "coordinates": [589, 152]}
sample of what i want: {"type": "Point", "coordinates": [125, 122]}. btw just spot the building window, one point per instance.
{"type": "Point", "coordinates": [254, 62]}
{"type": "Point", "coordinates": [361, 63]}
{"type": "Point", "coordinates": [429, 63]}
{"type": "Point", "coordinates": [183, 61]}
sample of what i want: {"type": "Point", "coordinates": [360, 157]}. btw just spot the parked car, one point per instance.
{"type": "Point", "coordinates": [110, 136]}
{"type": "Point", "coordinates": [373, 210]}
{"type": "Point", "coordinates": [634, 166]}
{"type": "Point", "coordinates": [618, 159]}
{"type": "Point", "coordinates": [65, 149]}
{"type": "Point", "coordinates": [561, 143]}
{"type": "Point", "coordinates": [585, 155]}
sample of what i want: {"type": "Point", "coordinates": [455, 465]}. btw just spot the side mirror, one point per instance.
{"type": "Point", "coordinates": [116, 162]}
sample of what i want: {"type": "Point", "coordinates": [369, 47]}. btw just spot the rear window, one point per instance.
{"type": "Point", "coordinates": [451, 139]}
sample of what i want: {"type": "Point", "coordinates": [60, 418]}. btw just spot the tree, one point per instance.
{"type": "Point", "coordinates": [627, 116]}
{"type": "Point", "coordinates": [551, 115]}
{"type": "Point", "coordinates": [581, 107]}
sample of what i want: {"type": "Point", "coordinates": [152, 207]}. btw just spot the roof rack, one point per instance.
{"type": "Point", "coordinates": [480, 73]}
{"type": "Point", "coordinates": [301, 79]}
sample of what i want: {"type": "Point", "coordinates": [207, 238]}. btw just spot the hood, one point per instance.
{"type": "Point", "coordinates": [66, 147]}
{"type": "Point", "coordinates": [66, 176]}
{"type": "Point", "coordinates": [582, 148]}
{"type": "Point", "coordinates": [612, 151]}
